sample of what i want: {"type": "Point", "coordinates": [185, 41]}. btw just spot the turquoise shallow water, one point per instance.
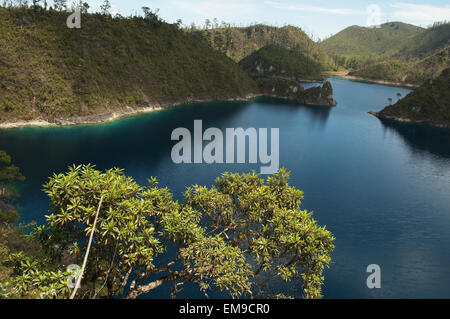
{"type": "Point", "coordinates": [381, 188]}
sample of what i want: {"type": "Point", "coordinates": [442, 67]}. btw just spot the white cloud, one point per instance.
{"type": "Point", "coordinates": [420, 14]}
{"type": "Point", "coordinates": [306, 8]}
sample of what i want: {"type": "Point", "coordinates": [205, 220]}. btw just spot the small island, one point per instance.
{"type": "Point", "coordinates": [291, 90]}
{"type": "Point", "coordinates": [278, 72]}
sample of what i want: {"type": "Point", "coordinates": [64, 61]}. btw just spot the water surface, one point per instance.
{"type": "Point", "coordinates": [381, 188]}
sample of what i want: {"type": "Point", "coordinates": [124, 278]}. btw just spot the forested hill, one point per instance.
{"type": "Point", "coordinates": [396, 52]}
{"type": "Point", "coordinates": [413, 71]}
{"type": "Point", "coordinates": [427, 42]}
{"type": "Point", "coordinates": [369, 41]}
{"type": "Point", "coordinates": [276, 61]}
{"type": "Point", "coordinates": [428, 104]}
{"type": "Point", "coordinates": [49, 71]}
{"type": "Point", "coordinates": [238, 43]}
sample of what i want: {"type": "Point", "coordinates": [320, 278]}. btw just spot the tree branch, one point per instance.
{"type": "Point", "coordinates": [77, 285]}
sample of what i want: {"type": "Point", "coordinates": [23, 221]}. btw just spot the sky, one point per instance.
{"type": "Point", "coordinates": [319, 18]}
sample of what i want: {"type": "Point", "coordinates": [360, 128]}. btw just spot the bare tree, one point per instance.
{"type": "Point", "coordinates": [60, 5]}
{"type": "Point", "coordinates": [105, 8]}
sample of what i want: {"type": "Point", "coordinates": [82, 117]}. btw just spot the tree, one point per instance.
{"type": "Point", "coordinates": [60, 5]}
{"type": "Point", "coordinates": [84, 6]}
{"type": "Point", "coordinates": [208, 24]}
{"type": "Point", "coordinates": [105, 8]}
{"type": "Point", "coordinates": [390, 100]}
{"type": "Point", "coordinates": [36, 3]}
{"type": "Point", "coordinates": [227, 237]}
{"type": "Point", "coordinates": [9, 174]}
{"type": "Point", "coordinates": [151, 15]}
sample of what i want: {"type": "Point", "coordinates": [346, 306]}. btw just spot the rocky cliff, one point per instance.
{"type": "Point", "coordinates": [292, 90]}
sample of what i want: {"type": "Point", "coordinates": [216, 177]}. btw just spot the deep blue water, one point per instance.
{"type": "Point", "coordinates": [381, 188]}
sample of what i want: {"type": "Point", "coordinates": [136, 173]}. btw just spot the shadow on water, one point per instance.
{"type": "Point", "coordinates": [421, 137]}
{"type": "Point", "coordinates": [315, 114]}
{"type": "Point", "coordinates": [145, 137]}
{"type": "Point", "coordinates": [318, 114]}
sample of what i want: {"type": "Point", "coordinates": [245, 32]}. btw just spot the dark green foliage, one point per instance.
{"type": "Point", "coordinates": [48, 70]}
{"type": "Point", "coordinates": [9, 174]}
{"type": "Point", "coordinates": [25, 271]}
{"type": "Point", "coordinates": [224, 237]}
{"type": "Point", "coordinates": [430, 103]}
{"type": "Point", "coordinates": [276, 61]}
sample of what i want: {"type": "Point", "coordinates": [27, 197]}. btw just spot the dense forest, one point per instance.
{"type": "Point", "coordinates": [273, 60]}
{"type": "Point", "coordinates": [429, 104]}
{"type": "Point", "coordinates": [51, 71]}
{"type": "Point", "coordinates": [240, 42]}
{"type": "Point", "coordinates": [395, 52]}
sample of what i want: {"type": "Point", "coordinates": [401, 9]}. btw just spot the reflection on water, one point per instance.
{"type": "Point", "coordinates": [422, 137]}
{"type": "Point", "coordinates": [314, 114]}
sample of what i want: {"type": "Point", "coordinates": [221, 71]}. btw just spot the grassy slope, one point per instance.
{"type": "Point", "coordinates": [415, 71]}
{"type": "Point", "coordinates": [399, 52]}
{"type": "Point", "coordinates": [430, 103]}
{"type": "Point", "coordinates": [370, 42]}
{"type": "Point", "coordinates": [50, 71]}
{"type": "Point", "coordinates": [239, 43]}
{"type": "Point", "coordinates": [274, 60]}
{"type": "Point", "coordinates": [426, 43]}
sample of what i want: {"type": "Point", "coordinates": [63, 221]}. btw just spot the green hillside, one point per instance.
{"type": "Point", "coordinates": [426, 42]}
{"type": "Point", "coordinates": [50, 71]}
{"type": "Point", "coordinates": [395, 52]}
{"type": "Point", "coordinates": [403, 71]}
{"type": "Point", "coordinates": [239, 43]}
{"type": "Point", "coordinates": [370, 42]}
{"type": "Point", "coordinates": [276, 61]}
{"type": "Point", "coordinates": [430, 104]}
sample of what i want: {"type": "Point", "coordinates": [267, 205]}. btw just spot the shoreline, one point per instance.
{"type": "Point", "coordinates": [128, 111]}
{"type": "Point", "coordinates": [382, 82]}
{"type": "Point", "coordinates": [118, 114]}
{"type": "Point", "coordinates": [345, 74]}
{"type": "Point", "coordinates": [407, 120]}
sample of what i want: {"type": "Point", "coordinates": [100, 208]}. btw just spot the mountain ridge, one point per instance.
{"type": "Point", "coordinates": [240, 42]}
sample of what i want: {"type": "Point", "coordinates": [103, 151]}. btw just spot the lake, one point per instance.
{"type": "Point", "coordinates": [383, 189]}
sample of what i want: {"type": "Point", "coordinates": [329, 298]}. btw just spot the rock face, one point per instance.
{"type": "Point", "coordinates": [428, 104]}
{"type": "Point", "coordinates": [319, 95]}
{"type": "Point", "coordinates": [292, 90]}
